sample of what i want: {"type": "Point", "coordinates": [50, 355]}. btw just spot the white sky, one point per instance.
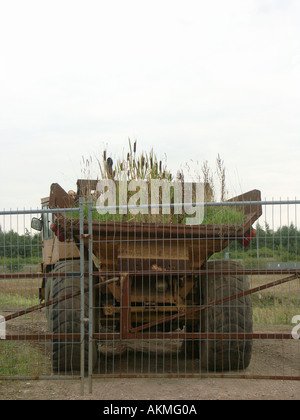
{"type": "Point", "coordinates": [189, 78]}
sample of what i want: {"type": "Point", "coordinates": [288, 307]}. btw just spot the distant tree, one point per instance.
{"type": "Point", "coordinates": [13, 245]}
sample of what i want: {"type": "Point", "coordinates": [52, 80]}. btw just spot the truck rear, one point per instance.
{"type": "Point", "coordinates": [150, 281]}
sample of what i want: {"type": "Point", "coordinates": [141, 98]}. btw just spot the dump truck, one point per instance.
{"type": "Point", "coordinates": [150, 281]}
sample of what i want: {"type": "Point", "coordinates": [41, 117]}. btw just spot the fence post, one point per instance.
{"type": "Point", "coordinates": [91, 294]}
{"type": "Point", "coordinates": [82, 315]}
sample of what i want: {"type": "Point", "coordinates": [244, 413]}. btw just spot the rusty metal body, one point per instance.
{"type": "Point", "coordinates": [157, 267]}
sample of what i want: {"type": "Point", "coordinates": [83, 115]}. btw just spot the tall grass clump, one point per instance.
{"type": "Point", "coordinates": [147, 166]}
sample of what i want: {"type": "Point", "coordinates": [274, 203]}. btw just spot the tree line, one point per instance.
{"type": "Point", "coordinates": [284, 242]}
{"type": "Point", "coordinates": [13, 245]}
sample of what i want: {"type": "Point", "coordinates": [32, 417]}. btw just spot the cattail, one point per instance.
{"type": "Point", "coordinates": [134, 147]}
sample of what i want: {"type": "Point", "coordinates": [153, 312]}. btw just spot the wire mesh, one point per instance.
{"type": "Point", "coordinates": [213, 304]}
{"type": "Point", "coordinates": [148, 296]}
{"type": "Point", "coordinates": [38, 267]}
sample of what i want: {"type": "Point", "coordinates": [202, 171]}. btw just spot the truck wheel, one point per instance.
{"type": "Point", "coordinates": [64, 318]}
{"type": "Point", "coordinates": [229, 317]}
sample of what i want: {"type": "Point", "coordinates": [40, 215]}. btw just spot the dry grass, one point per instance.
{"type": "Point", "coordinates": [147, 166]}
{"type": "Point", "coordinates": [276, 305]}
{"type": "Point", "coordinates": [18, 293]}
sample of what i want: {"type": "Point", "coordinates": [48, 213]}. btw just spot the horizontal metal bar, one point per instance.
{"type": "Point", "coordinates": [195, 336]}
{"type": "Point", "coordinates": [40, 378]}
{"type": "Point", "coordinates": [253, 203]}
{"type": "Point", "coordinates": [41, 337]}
{"type": "Point", "coordinates": [200, 272]}
{"type": "Point", "coordinates": [151, 336]}
{"type": "Point", "coordinates": [142, 207]}
{"type": "Point", "coordinates": [192, 375]}
{"type": "Point", "coordinates": [37, 211]}
{"type": "Point", "coordinates": [243, 271]}
{"type": "Point", "coordinates": [69, 377]}
{"type": "Point", "coordinates": [21, 276]}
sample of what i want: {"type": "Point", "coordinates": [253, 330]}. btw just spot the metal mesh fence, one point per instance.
{"type": "Point", "coordinates": [146, 296]}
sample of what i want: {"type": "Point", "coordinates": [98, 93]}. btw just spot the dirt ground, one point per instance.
{"type": "Point", "coordinates": [153, 389]}
{"type": "Point", "coordinates": [269, 359]}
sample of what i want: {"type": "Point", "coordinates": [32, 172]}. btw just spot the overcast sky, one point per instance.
{"type": "Point", "coordinates": [192, 79]}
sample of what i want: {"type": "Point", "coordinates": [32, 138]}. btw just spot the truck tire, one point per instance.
{"type": "Point", "coordinates": [64, 318]}
{"type": "Point", "coordinates": [229, 317]}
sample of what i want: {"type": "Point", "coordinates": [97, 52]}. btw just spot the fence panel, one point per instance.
{"type": "Point", "coordinates": [145, 294]}
{"type": "Point", "coordinates": [177, 301]}
{"type": "Point", "coordinates": [38, 270]}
